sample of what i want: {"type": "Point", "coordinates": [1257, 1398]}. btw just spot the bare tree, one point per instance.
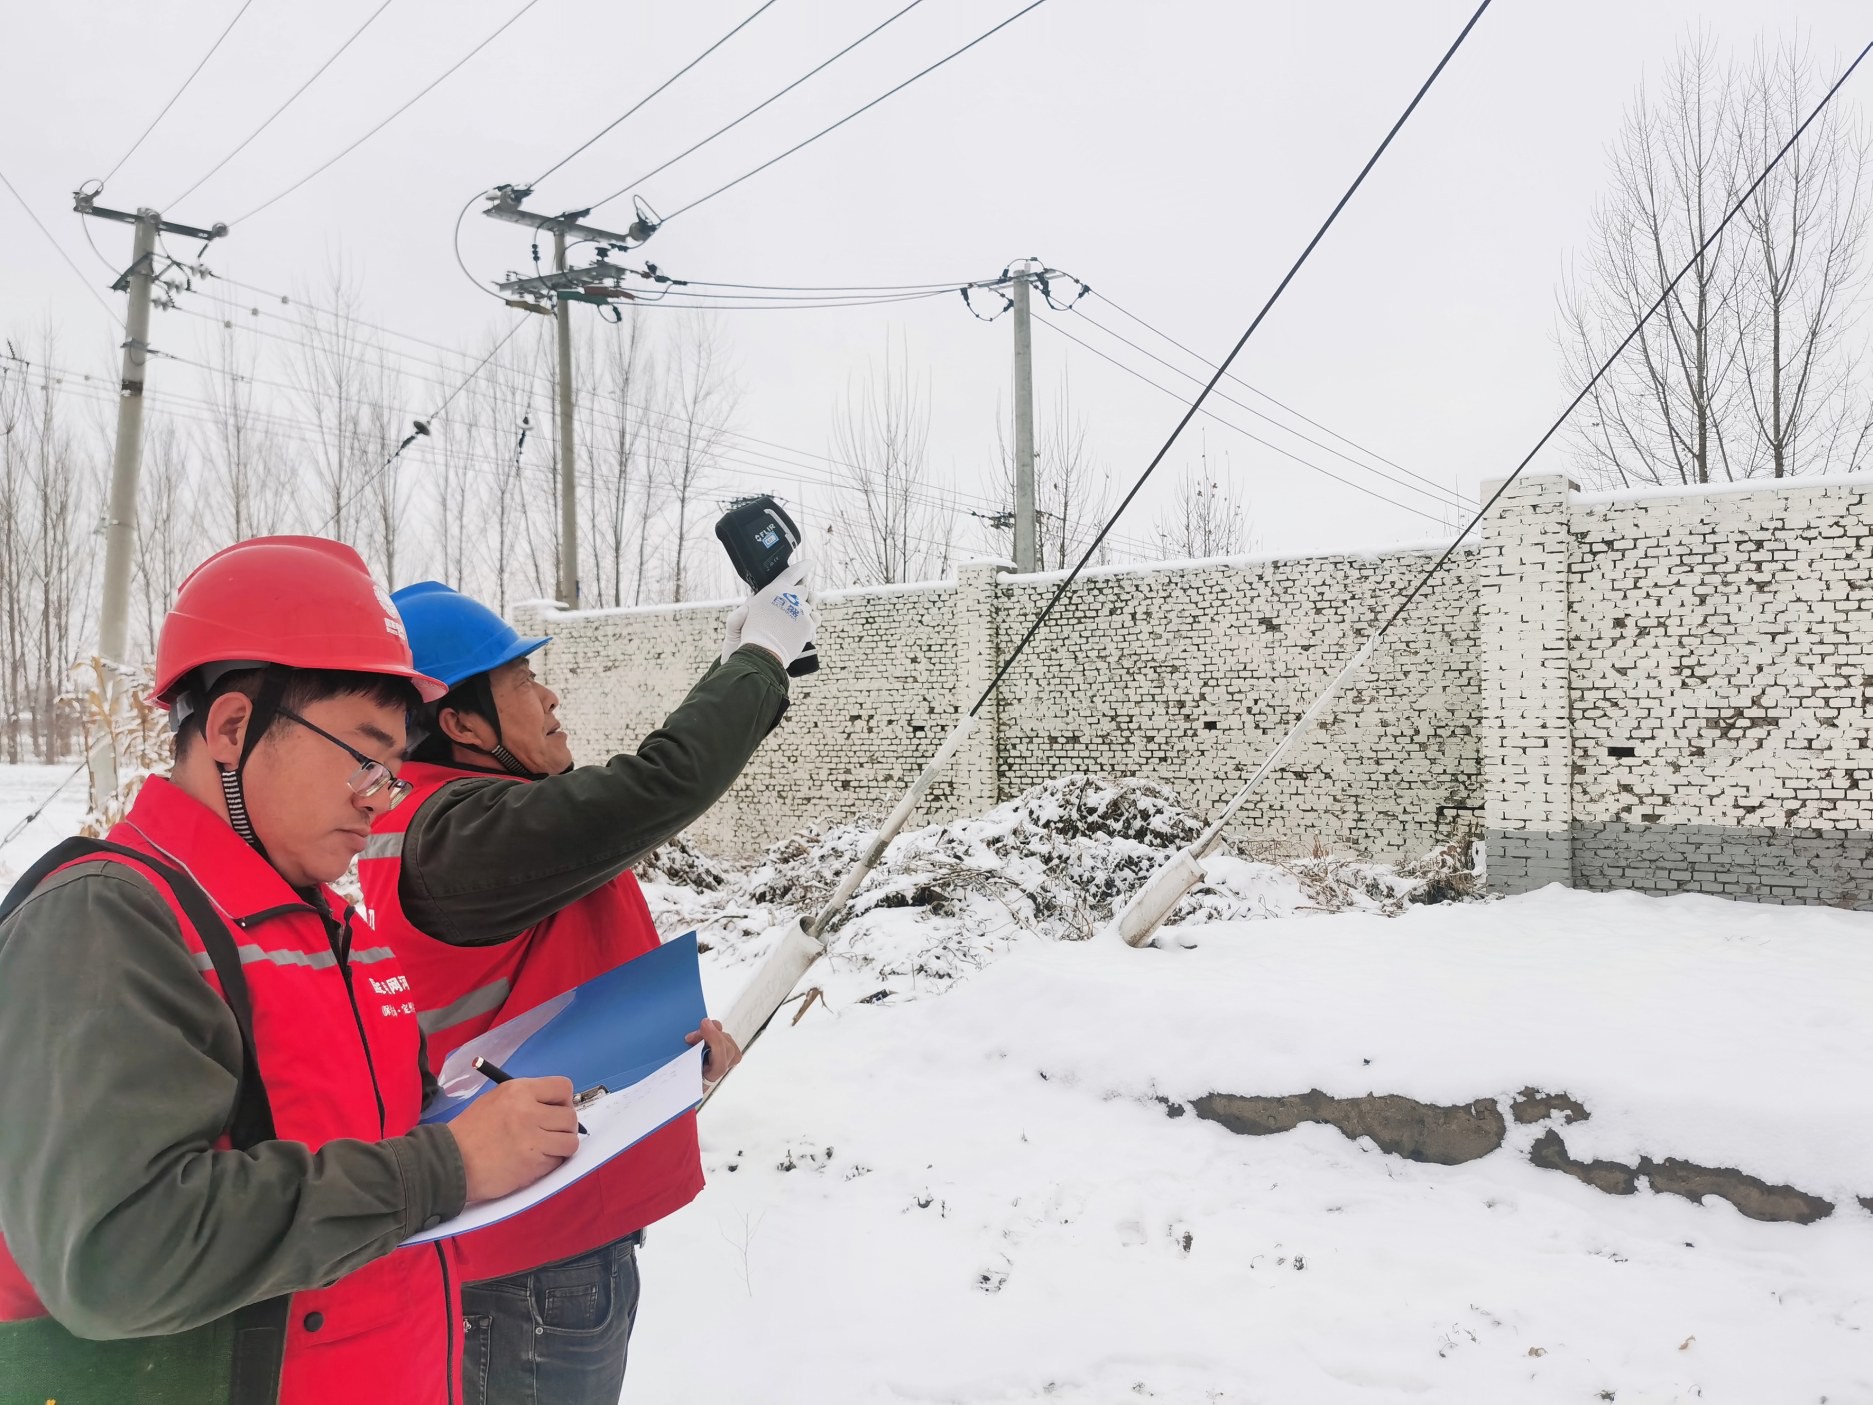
{"type": "Point", "coordinates": [892, 524]}
{"type": "Point", "coordinates": [380, 429]}
{"type": "Point", "coordinates": [332, 379]}
{"type": "Point", "coordinates": [1749, 358]}
{"type": "Point", "coordinates": [168, 540]}
{"type": "Point", "coordinates": [1207, 516]}
{"type": "Point", "coordinates": [699, 400]}
{"type": "Point", "coordinates": [503, 402]}
{"type": "Point", "coordinates": [1806, 227]}
{"type": "Point", "coordinates": [56, 497]}
{"type": "Point", "coordinates": [612, 441]}
{"type": "Point", "coordinates": [248, 494]}
{"type": "Point", "coordinates": [1072, 488]}
{"type": "Point", "coordinates": [15, 406]}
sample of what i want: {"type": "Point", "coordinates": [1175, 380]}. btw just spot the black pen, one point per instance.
{"type": "Point", "coordinates": [494, 1073]}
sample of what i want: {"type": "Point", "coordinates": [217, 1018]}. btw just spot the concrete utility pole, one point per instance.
{"type": "Point", "coordinates": [568, 461]}
{"type": "Point", "coordinates": [598, 283]}
{"type": "Point", "coordinates": [120, 525]}
{"type": "Point", "coordinates": [120, 522]}
{"type": "Point", "coordinates": [1027, 554]}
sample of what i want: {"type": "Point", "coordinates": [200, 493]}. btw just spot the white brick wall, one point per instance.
{"type": "Point", "coordinates": [1186, 674]}
{"type": "Point", "coordinates": [1725, 636]}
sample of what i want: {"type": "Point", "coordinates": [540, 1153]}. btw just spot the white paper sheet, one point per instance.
{"type": "Point", "coordinates": [612, 1123]}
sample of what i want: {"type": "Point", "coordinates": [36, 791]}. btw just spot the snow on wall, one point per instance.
{"type": "Point", "coordinates": [1187, 674]}
{"type": "Point", "coordinates": [1725, 638]}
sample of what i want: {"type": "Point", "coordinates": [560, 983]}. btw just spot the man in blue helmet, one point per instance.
{"type": "Point", "coordinates": [505, 880]}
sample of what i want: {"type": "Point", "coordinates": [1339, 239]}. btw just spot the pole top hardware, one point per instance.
{"type": "Point", "coordinates": [85, 203]}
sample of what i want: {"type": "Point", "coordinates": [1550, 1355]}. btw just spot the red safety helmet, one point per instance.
{"type": "Point", "coordinates": [302, 602]}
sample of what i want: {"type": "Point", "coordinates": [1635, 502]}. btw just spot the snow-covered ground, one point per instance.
{"type": "Point", "coordinates": [959, 1176]}
{"type": "Point", "coordinates": [969, 1190]}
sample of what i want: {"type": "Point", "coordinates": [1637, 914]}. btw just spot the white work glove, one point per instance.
{"type": "Point", "coordinates": [731, 633]}
{"type": "Point", "coordinates": [780, 616]}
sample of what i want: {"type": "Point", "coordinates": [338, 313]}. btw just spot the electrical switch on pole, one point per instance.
{"type": "Point", "coordinates": [599, 283]}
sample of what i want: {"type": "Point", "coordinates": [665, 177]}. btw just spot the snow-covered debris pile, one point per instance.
{"type": "Point", "coordinates": [681, 864]}
{"type": "Point", "coordinates": [1055, 862]}
{"type": "Point", "coordinates": [1058, 857]}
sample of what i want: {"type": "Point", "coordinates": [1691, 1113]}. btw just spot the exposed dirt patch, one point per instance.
{"type": "Point", "coordinates": [1550, 1153]}
{"type": "Point", "coordinates": [1759, 1200]}
{"type": "Point", "coordinates": [1755, 1198]}
{"type": "Point", "coordinates": [1444, 1136]}
{"type": "Point", "coordinates": [1533, 1105]}
{"type": "Point", "coordinates": [1866, 1203]}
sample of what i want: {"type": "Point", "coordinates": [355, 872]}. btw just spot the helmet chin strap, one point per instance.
{"type": "Point", "coordinates": [479, 692]}
{"type": "Point", "coordinates": [266, 705]}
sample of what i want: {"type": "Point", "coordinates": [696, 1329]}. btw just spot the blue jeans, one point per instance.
{"type": "Point", "coordinates": [555, 1336]}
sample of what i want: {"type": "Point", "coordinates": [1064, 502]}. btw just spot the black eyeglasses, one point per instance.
{"type": "Point", "coordinates": [370, 777]}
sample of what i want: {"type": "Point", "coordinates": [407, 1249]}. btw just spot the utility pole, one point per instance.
{"type": "Point", "coordinates": [568, 470]}
{"type": "Point", "coordinates": [598, 283]}
{"type": "Point", "coordinates": [120, 522]}
{"type": "Point", "coordinates": [1027, 555]}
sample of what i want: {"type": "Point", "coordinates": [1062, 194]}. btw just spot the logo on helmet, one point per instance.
{"type": "Point", "coordinates": [393, 622]}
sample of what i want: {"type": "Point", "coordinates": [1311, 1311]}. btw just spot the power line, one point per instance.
{"type": "Point", "coordinates": [1620, 350]}
{"type": "Point", "coordinates": [425, 92]}
{"type": "Point", "coordinates": [1211, 414]}
{"type": "Point", "coordinates": [759, 10]}
{"type": "Point", "coordinates": [1253, 390]}
{"type": "Point", "coordinates": [59, 248]}
{"type": "Point", "coordinates": [719, 131]}
{"type": "Point", "coordinates": [824, 131]}
{"type": "Point", "coordinates": [1197, 404]}
{"type": "Point", "coordinates": [422, 428]}
{"type": "Point", "coordinates": [288, 103]}
{"type": "Point", "coordinates": [1443, 497]}
{"type": "Point", "coordinates": [1440, 493]}
{"type": "Point", "coordinates": [179, 91]}
{"type": "Point", "coordinates": [948, 286]}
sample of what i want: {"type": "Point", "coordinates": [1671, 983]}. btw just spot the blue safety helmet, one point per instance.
{"type": "Point", "coordinates": [453, 637]}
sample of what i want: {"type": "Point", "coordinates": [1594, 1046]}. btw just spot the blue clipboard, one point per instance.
{"type": "Point", "coordinates": [613, 1030]}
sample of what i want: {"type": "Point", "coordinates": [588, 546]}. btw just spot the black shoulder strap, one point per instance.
{"type": "Point", "coordinates": [259, 1329]}
{"type": "Point", "coordinates": [252, 1122]}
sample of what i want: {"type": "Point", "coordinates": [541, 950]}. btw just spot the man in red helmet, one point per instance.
{"type": "Point", "coordinates": [506, 881]}
{"type": "Point", "coordinates": [212, 1067]}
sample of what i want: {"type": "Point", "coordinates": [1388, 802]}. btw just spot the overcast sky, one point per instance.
{"type": "Point", "coordinates": [1175, 155]}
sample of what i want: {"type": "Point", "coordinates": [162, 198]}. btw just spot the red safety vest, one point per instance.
{"type": "Point", "coordinates": [461, 991]}
{"type": "Point", "coordinates": [390, 1330]}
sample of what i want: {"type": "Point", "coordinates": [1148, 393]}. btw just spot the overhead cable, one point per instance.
{"type": "Point", "coordinates": [179, 91]}
{"type": "Point", "coordinates": [1446, 499]}
{"type": "Point", "coordinates": [59, 248]}
{"type": "Point", "coordinates": [758, 11]}
{"type": "Point", "coordinates": [1437, 492]}
{"type": "Point", "coordinates": [719, 131]}
{"type": "Point", "coordinates": [1152, 903]}
{"type": "Point", "coordinates": [1442, 520]}
{"type": "Point", "coordinates": [1252, 389]}
{"type": "Point", "coordinates": [1197, 404]}
{"type": "Point", "coordinates": [425, 92]}
{"type": "Point", "coordinates": [317, 73]}
{"type": "Point", "coordinates": [1618, 351]}
{"type": "Point", "coordinates": [422, 428]}
{"type": "Point", "coordinates": [824, 131]}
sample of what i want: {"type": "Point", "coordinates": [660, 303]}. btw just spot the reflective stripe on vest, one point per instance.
{"type": "Point", "coordinates": [480, 1001]}
{"type": "Point", "coordinates": [311, 960]}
